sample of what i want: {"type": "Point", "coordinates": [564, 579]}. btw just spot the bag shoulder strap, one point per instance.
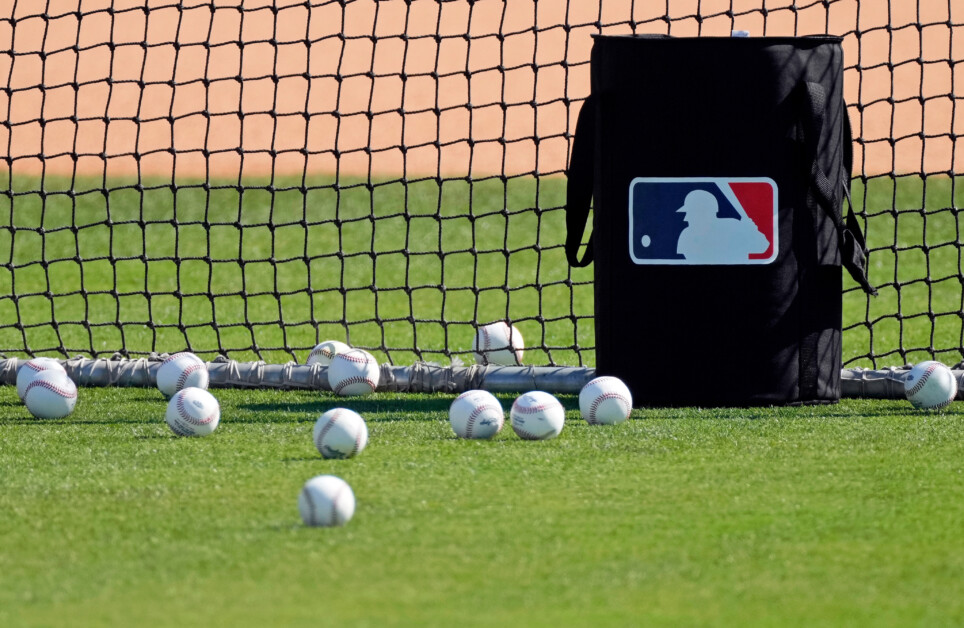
{"type": "Point", "coordinates": [853, 247]}
{"type": "Point", "coordinates": [579, 185]}
{"type": "Point", "coordinates": [825, 190]}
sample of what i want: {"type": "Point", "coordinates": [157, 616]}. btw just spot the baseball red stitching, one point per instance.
{"type": "Point", "coordinates": [69, 394]}
{"type": "Point", "coordinates": [533, 409]}
{"type": "Point", "coordinates": [321, 351]}
{"type": "Point", "coordinates": [515, 352]}
{"type": "Point", "coordinates": [603, 397]}
{"type": "Point", "coordinates": [353, 380]}
{"type": "Point", "coordinates": [487, 343]}
{"type": "Point", "coordinates": [923, 380]}
{"type": "Point", "coordinates": [477, 410]}
{"type": "Point", "coordinates": [485, 339]}
{"type": "Point", "coordinates": [181, 410]}
{"type": "Point", "coordinates": [173, 356]}
{"type": "Point", "coordinates": [186, 373]}
{"type": "Point", "coordinates": [311, 505]}
{"type": "Point", "coordinates": [524, 434]}
{"type": "Point", "coordinates": [324, 431]}
{"type": "Point", "coordinates": [470, 422]}
{"type": "Point", "coordinates": [360, 358]}
{"type": "Point", "coordinates": [37, 367]}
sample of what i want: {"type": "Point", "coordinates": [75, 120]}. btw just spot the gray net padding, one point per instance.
{"type": "Point", "coordinates": [421, 377]}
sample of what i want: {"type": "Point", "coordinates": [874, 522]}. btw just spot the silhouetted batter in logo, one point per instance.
{"type": "Point", "coordinates": [710, 239]}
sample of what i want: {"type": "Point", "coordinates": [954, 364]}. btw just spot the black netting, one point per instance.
{"type": "Point", "coordinates": [249, 180]}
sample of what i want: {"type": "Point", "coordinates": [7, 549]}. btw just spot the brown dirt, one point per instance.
{"type": "Point", "coordinates": [201, 79]}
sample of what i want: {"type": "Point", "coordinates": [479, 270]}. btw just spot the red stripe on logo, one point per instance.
{"type": "Point", "coordinates": [757, 201]}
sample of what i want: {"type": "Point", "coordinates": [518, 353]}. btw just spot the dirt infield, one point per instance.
{"type": "Point", "coordinates": [381, 88]}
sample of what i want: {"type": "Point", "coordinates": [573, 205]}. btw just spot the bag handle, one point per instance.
{"type": "Point", "coordinates": [853, 247]}
{"type": "Point", "coordinates": [579, 185]}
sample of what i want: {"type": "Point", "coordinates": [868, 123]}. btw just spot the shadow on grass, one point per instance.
{"type": "Point", "coordinates": [370, 408]}
{"type": "Point", "coordinates": [378, 406]}
{"type": "Point", "coordinates": [121, 394]}
{"type": "Point", "coordinates": [68, 421]}
{"type": "Point", "coordinates": [375, 409]}
{"type": "Point", "coordinates": [156, 436]}
{"type": "Point", "coordinates": [877, 410]}
{"type": "Point", "coordinates": [303, 459]}
{"type": "Point", "coordinates": [147, 397]}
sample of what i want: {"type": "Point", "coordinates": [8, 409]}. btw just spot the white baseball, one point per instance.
{"type": "Point", "coordinates": [340, 433]}
{"type": "Point", "coordinates": [354, 372]}
{"type": "Point", "coordinates": [605, 401]}
{"type": "Point", "coordinates": [29, 369]}
{"type": "Point", "coordinates": [193, 412]}
{"type": "Point", "coordinates": [930, 385]}
{"type": "Point", "coordinates": [50, 395]}
{"type": "Point", "coordinates": [324, 352]}
{"type": "Point", "coordinates": [498, 343]}
{"type": "Point", "coordinates": [537, 415]}
{"type": "Point", "coordinates": [181, 370]}
{"type": "Point", "coordinates": [326, 500]}
{"type": "Point", "coordinates": [476, 414]}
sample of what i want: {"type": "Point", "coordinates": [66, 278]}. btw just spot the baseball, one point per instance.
{"type": "Point", "coordinates": [29, 369]}
{"type": "Point", "coordinates": [340, 433]}
{"type": "Point", "coordinates": [476, 414]}
{"type": "Point", "coordinates": [499, 344]}
{"type": "Point", "coordinates": [324, 352]}
{"type": "Point", "coordinates": [193, 412]}
{"type": "Point", "coordinates": [326, 500]}
{"type": "Point", "coordinates": [50, 395]}
{"type": "Point", "coordinates": [605, 401]}
{"type": "Point", "coordinates": [930, 385]}
{"type": "Point", "coordinates": [179, 371]}
{"type": "Point", "coordinates": [354, 372]}
{"type": "Point", "coordinates": [537, 415]}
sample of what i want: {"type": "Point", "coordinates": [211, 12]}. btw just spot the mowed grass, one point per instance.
{"type": "Point", "coordinates": [914, 232]}
{"type": "Point", "coordinates": [266, 269]}
{"type": "Point", "coordinates": [833, 515]}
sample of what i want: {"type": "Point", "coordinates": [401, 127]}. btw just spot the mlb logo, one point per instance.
{"type": "Point", "coordinates": [703, 221]}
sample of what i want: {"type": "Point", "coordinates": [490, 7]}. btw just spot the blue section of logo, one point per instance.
{"type": "Point", "coordinates": [702, 221]}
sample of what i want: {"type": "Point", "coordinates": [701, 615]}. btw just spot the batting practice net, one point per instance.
{"type": "Point", "coordinates": [246, 180]}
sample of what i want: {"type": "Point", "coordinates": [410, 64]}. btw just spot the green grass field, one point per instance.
{"type": "Point", "coordinates": [404, 270]}
{"type": "Point", "coordinates": [844, 515]}
{"type": "Point", "coordinates": [834, 516]}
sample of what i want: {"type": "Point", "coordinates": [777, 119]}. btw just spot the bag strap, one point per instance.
{"type": "Point", "coordinates": [579, 185]}
{"type": "Point", "coordinates": [853, 248]}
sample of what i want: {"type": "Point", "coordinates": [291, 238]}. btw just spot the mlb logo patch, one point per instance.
{"type": "Point", "coordinates": [703, 221]}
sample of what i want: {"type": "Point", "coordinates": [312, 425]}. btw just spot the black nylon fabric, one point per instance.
{"type": "Point", "coordinates": [718, 107]}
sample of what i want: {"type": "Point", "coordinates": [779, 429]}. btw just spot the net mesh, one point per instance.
{"type": "Point", "coordinates": [248, 180]}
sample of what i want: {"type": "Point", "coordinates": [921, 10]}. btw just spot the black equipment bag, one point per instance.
{"type": "Point", "coordinates": [716, 168]}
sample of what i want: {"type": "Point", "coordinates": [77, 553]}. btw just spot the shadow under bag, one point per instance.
{"type": "Point", "coordinates": [717, 169]}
